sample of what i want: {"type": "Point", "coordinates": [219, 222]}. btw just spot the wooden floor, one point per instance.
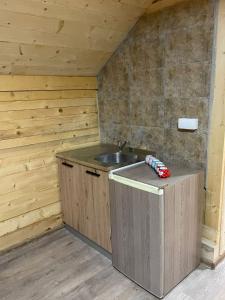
{"type": "Point", "coordinates": [60, 266]}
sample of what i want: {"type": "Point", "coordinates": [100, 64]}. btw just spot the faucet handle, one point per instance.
{"type": "Point", "coordinates": [121, 144]}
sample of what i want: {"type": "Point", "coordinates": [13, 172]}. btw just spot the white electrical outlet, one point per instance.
{"type": "Point", "coordinates": [187, 123]}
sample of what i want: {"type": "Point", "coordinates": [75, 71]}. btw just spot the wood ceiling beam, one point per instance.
{"type": "Point", "coordinates": [161, 4]}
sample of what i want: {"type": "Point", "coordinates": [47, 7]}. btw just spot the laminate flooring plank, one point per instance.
{"type": "Point", "coordinates": [60, 266]}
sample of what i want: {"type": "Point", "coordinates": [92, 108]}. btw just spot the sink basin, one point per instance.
{"type": "Point", "coordinates": [117, 158]}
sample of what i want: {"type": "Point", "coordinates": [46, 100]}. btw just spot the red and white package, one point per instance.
{"type": "Point", "coordinates": [158, 166]}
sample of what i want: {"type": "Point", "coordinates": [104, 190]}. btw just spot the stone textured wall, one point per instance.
{"type": "Point", "coordinates": [159, 73]}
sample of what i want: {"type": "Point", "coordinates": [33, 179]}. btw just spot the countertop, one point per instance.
{"type": "Point", "coordinates": [86, 156]}
{"type": "Point", "coordinates": [145, 174]}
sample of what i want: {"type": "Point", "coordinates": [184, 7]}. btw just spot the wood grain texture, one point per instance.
{"type": "Point", "coordinates": [215, 208]}
{"type": "Point", "coordinates": [68, 175]}
{"type": "Point", "coordinates": [29, 232]}
{"type": "Point", "coordinates": [37, 83]}
{"type": "Point", "coordinates": [34, 126]}
{"type": "Point", "coordinates": [156, 240]}
{"type": "Point", "coordinates": [44, 38]}
{"type": "Point", "coordinates": [72, 38]}
{"type": "Point", "coordinates": [137, 235]}
{"type": "Point", "coordinates": [183, 215]}
{"type": "Point", "coordinates": [159, 5]}
{"type": "Point", "coordinates": [85, 201]}
{"type": "Point", "coordinates": [60, 266]}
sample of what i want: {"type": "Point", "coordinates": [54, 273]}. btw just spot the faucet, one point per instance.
{"type": "Point", "coordinates": [121, 145]}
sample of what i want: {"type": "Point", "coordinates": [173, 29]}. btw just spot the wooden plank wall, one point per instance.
{"type": "Point", "coordinates": [44, 37]}
{"type": "Point", "coordinates": [39, 116]}
{"type": "Point", "coordinates": [156, 5]}
{"type": "Point", "coordinates": [214, 229]}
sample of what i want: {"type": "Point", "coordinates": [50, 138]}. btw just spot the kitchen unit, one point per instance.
{"type": "Point", "coordinates": [156, 225]}
{"type": "Point", "coordinates": [84, 186]}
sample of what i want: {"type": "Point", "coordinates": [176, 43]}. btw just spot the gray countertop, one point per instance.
{"type": "Point", "coordinates": [145, 174]}
{"type": "Point", "coordinates": [86, 156]}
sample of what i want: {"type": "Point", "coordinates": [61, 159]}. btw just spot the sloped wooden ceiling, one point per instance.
{"type": "Point", "coordinates": [65, 37]}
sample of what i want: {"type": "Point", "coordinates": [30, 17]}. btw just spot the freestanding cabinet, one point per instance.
{"type": "Point", "coordinates": [156, 225]}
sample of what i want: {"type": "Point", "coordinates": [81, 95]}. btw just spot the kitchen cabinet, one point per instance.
{"type": "Point", "coordinates": [85, 201]}
{"type": "Point", "coordinates": [156, 225]}
{"type": "Point", "coordinates": [68, 173]}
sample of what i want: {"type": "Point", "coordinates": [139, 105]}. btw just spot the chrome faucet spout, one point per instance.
{"type": "Point", "coordinates": [121, 145]}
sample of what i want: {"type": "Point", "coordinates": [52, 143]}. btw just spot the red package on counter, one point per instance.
{"type": "Point", "coordinates": [158, 166]}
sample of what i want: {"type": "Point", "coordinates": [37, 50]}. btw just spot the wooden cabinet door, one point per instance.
{"type": "Point", "coordinates": [102, 210]}
{"type": "Point", "coordinates": [85, 201]}
{"type": "Point", "coordinates": [137, 235]}
{"type": "Point", "coordinates": [95, 211]}
{"type": "Point", "coordinates": [70, 193]}
{"type": "Point", "coordinates": [87, 217]}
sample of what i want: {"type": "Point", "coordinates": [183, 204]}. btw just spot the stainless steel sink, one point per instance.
{"type": "Point", "coordinates": [117, 158]}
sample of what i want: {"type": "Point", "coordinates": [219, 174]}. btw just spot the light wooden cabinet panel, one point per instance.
{"type": "Point", "coordinates": [85, 201]}
{"type": "Point", "coordinates": [70, 205]}
{"type": "Point", "coordinates": [156, 238]}
{"type": "Point", "coordinates": [102, 210]}
{"type": "Point", "coordinates": [137, 235]}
